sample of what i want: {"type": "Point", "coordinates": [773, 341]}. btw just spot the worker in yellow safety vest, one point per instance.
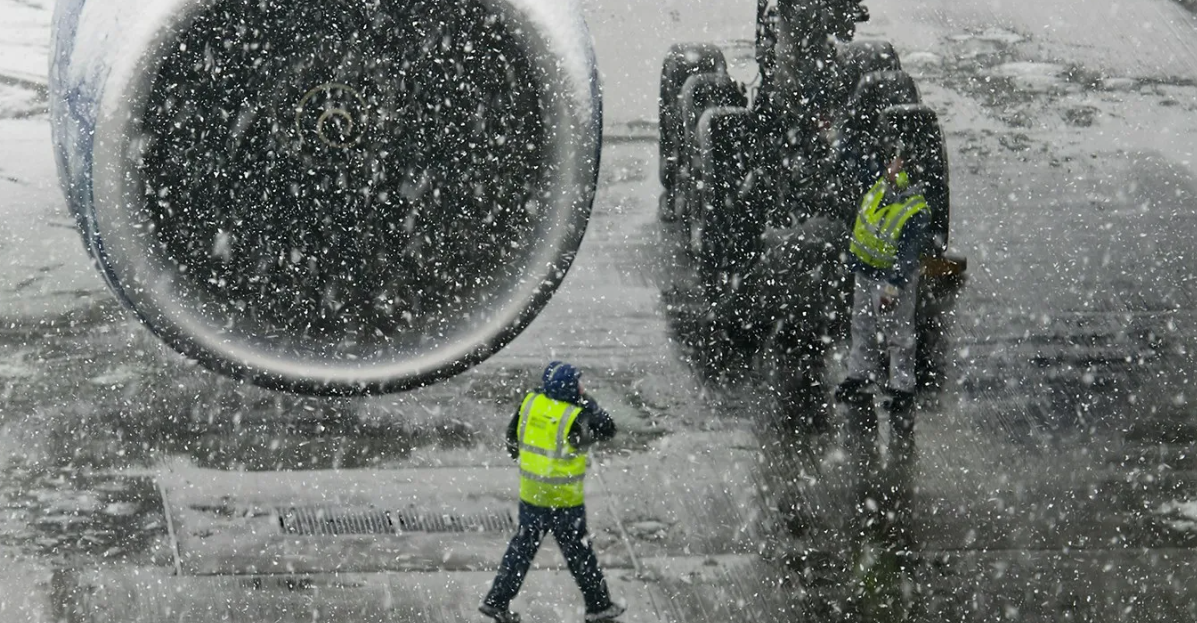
{"type": "Point", "coordinates": [549, 435]}
{"type": "Point", "coordinates": [891, 232]}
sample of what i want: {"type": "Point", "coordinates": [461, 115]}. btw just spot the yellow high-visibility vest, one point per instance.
{"type": "Point", "coordinates": [879, 227]}
{"type": "Point", "coordinates": [551, 470]}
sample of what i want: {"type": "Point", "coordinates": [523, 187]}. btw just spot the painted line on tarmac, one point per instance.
{"type": "Point", "coordinates": [627, 541]}
{"type": "Point", "coordinates": [170, 528]}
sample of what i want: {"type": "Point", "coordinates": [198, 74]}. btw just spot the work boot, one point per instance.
{"type": "Point", "coordinates": [607, 614]}
{"type": "Point", "coordinates": [500, 615]}
{"type": "Point", "coordinates": [851, 391]}
{"type": "Point", "coordinates": [901, 404]}
{"type": "Point", "coordinates": [861, 416]}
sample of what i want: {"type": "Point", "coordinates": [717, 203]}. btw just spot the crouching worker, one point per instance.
{"type": "Point", "coordinates": [549, 436]}
{"type": "Point", "coordinates": [888, 241]}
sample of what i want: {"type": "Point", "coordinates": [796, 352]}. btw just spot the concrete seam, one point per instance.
{"type": "Point", "coordinates": [170, 528]}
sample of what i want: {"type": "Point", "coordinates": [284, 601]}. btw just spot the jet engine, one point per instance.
{"type": "Point", "coordinates": [340, 197]}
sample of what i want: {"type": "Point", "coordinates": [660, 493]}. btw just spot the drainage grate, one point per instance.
{"type": "Point", "coordinates": [494, 521]}
{"type": "Point", "coordinates": [324, 521]}
{"type": "Point", "coordinates": [334, 521]}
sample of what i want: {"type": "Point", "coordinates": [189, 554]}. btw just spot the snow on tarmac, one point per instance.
{"type": "Point", "coordinates": [24, 39]}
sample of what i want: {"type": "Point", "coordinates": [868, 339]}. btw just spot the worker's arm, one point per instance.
{"type": "Point", "coordinates": [870, 171]}
{"type": "Point", "coordinates": [910, 249]}
{"type": "Point", "coordinates": [513, 442]}
{"type": "Point", "coordinates": [592, 426]}
{"type": "Point", "coordinates": [910, 253]}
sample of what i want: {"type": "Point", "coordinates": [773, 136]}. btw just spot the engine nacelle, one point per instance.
{"type": "Point", "coordinates": [335, 197]}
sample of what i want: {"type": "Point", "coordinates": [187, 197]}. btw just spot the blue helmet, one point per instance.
{"type": "Point", "coordinates": [560, 381]}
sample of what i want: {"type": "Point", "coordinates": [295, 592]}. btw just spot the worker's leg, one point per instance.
{"type": "Point", "coordinates": [569, 528]}
{"type": "Point", "coordinates": [903, 350]}
{"type": "Point", "coordinates": [899, 328]}
{"type": "Point", "coordinates": [866, 338]}
{"type": "Point", "coordinates": [862, 367]}
{"type": "Point", "coordinates": [860, 416]}
{"type": "Point", "coordinates": [534, 521]}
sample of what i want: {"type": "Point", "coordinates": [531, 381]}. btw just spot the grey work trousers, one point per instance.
{"type": "Point", "coordinates": [891, 332]}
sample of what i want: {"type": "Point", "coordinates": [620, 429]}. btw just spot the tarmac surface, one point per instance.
{"type": "Point", "coordinates": [1054, 473]}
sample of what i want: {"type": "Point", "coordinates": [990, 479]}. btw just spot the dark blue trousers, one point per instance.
{"type": "Point", "coordinates": [568, 526]}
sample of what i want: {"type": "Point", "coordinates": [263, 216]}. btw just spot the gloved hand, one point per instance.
{"type": "Point", "coordinates": [889, 298]}
{"type": "Point", "coordinates": [583, 436]}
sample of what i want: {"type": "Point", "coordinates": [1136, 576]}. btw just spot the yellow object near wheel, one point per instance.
{"type": "Point", "coordinates": [944, 266]}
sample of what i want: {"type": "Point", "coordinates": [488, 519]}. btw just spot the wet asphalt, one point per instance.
{"type": "Point", "coordinates": [1053, 475]}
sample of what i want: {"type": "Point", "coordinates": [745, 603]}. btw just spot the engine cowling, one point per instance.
{"type": "Point", "coordinates": [336, 197]}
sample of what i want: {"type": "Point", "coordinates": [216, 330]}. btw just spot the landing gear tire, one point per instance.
{"type": "Point", "coordinates": [858, 130]}
{"type": "Point", "coordinates": [722, 226]}
{"type": "Point", "coordinates": [681, 62]}
{"type": "Point", "coordinates": [923, 134]}
{"type": "Point", "coordinates": [857, 58]}
{"type": "Point", "coordinates": [700, 93]}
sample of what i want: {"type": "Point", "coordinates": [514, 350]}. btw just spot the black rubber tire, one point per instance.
{"type": "Point", "coordinates": [878, 90]}
{"type": "Point", "coordinates": [722, 225]}
{"type": "Point", "coordinates": [857, 58]}
{"type": "Point", "coordinates": [857, 130]}
{"type": "Point", "coordinates": [682, 61]}
{"type": "Point", "coordinates": [920, 127]}
{"type": "Point", "coordinates": [701, 92]}
{"type": "Point", "coordinates": [800, 304]}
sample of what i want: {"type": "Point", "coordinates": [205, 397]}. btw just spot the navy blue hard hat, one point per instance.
{"type": "Point", "coordinates": [560, 381]}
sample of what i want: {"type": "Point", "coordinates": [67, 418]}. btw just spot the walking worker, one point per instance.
{"type": "Point", "coordinates": [549, 435]}
{"type": "Point", "coordinates": [888, 240]}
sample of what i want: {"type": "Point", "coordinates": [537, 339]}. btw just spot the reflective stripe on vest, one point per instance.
{"type": "Point", "coordinates": [551, 470]}
{"type": "Point", "coordinates": [879, 227]}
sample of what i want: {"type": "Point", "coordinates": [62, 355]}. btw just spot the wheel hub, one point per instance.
{"type": "Point", "coordinates": [331, 114]}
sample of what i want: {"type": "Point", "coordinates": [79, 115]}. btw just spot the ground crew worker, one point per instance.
{"type": "Point", "coordinates": [888, 240]}
{"type": "Point", "coordinates": [549, 436]}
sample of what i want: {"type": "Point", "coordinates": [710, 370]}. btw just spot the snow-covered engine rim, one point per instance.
{"type": "Point", "coordinates": [556, 41]}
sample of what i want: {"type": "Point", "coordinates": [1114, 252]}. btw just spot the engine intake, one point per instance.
{"type": "Point", "coordinates": [342, 197]}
